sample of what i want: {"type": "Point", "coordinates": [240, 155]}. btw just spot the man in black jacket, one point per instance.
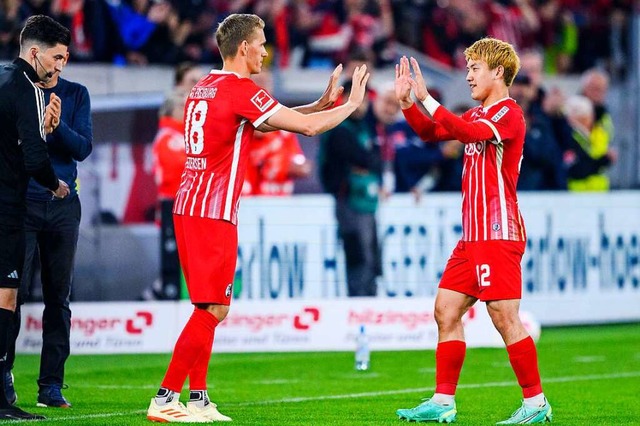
{"type": "Point", "coordinates": [25, 121]}
{"type": "Point", "coordinates": [350, 166]}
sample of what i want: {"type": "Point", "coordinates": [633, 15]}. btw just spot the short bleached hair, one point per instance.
{"type": "Point", "coordinates": [495, 53]}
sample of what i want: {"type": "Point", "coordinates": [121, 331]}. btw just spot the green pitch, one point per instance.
{"type": "Point", "coordinates": [591, 375]}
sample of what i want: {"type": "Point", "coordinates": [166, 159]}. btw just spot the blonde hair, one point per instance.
{"type": "Point", "coordinates": [495, 53]}
{"type": "Point", "coordinates": [235, 29]}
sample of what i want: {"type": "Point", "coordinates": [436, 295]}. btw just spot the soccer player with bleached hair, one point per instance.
{"type": "Point", "coordinates": [485, 264]}
{"type": "Point", "coordinates": [221, 113]}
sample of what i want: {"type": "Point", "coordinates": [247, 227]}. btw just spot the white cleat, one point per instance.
{"type": "Point", "coordinates": [173, 412]}
{"type": "Point", "coordinates": [209, 412]}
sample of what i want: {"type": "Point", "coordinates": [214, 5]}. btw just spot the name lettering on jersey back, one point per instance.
{"type": "Point", "coordinates": [196, 163]}
{"type": "Point", "coordinates": [203, 92]}
{"type": "Point", "coordinates": [262, 100]}
{"type": "Point", "coordinates": [500, 114]}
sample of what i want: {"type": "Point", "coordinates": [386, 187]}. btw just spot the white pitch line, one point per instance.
{"type": "Point", "coordinates": [431, 388]}
{"type": "Point", "coordinates": [566, 379]}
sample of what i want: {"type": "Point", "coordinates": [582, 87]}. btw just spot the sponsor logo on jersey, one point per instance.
{"type": "Point", "coordinates": [262, 100]}
{"type": "Point", "coordinates": [500, 114]}
{"type": "Point", "coordinates": [227, 292]}
{"type": "Point", "coordinates": [474, 148]}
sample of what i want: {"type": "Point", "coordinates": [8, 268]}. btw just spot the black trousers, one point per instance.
{"type": "Point", "coordinates": [52, 229]}
{"type": "Point", "coordinates": [359, 234]}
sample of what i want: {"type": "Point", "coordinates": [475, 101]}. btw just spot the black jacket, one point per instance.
{"type": "Point", "coordinates": [23, 151]}
{"type": "Point", "coordinates": [341, 151]}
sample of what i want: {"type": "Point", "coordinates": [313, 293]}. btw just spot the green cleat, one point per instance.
{"type": "Point", "coordinates": [528, 415]}
{"type": "Point", "coordinates": [429, 412]}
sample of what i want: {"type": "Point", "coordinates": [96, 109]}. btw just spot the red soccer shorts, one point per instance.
{"type": "Point", "coordinates": [208, 250]}
{"type": "Point", "coordinates": [486, 270]}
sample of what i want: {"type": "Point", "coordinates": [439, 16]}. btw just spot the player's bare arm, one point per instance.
{"type": "Point", "coordinates": [318, 122]}
{"type": "Point", "coordinates": [331, 94]}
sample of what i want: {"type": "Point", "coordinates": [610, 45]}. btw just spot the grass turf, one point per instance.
{"type": "Point", "coordinates": [591, 375]}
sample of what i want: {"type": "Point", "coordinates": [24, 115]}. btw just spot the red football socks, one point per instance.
{"type": "Point", "coordinates": [524, 360]}
{"type": "Point", "coordinates": [198, 373]}
{"type": "Point", "coordinates": [449, 359]}
{"type": "Point", "coordinates": [192, 349]}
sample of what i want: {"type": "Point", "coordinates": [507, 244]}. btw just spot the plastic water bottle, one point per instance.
{"type": "Point", "coordinates": [362, 350]}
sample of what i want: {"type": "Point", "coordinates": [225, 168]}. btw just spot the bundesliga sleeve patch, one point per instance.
{"type": "Point", "coordinates": [500, 114]}
{"type": "Point", "coordinates": [262, 100]}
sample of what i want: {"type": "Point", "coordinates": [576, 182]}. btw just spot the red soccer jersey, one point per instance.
{"type": "Point", "coordinates": [490, 175]}
{"type": "Point", "coordinates": [270, 156]}
{"type": "Point", "coordinates": [220, 115]}
{"type": "Point", "coordinates": [168, 156]}
{"type": "Point", "coordinates": [491, 166]}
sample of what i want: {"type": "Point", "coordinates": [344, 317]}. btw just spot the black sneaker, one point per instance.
{"type": "Point", "coordinates": [14, 413]}
{"type": "Point", "coordinates": [51, 396]}
{"type": "Point", "coordinates": [9, 390]}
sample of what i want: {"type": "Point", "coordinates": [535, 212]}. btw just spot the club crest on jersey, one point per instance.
{"type": "Point", "coordinates": [227, 292]}
{"type": "Point", "coordinates": [500, 114]}
{"type": "Point", "coordinates": [474, 148]}
{"type": "Point", "coordinates": [262, 100]}
{"type": "Point", "coordinates": [495, 227]}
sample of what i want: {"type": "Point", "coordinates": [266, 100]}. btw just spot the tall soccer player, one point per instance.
{"type": "Point", "coordinates": [221, 113]}
{"type": "Point", "coordinates": [485, 264]}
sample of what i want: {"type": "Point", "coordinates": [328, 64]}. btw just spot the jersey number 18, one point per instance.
{"type": "Point", "coordinates": [196, 116]}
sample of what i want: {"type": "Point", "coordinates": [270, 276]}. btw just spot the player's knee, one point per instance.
{"type": "Point", "coordinates": [218, 311]}
{"type": "Point", "coordinates": [446, 318]}
{"type": "Point", "coordinates": [504, 319]}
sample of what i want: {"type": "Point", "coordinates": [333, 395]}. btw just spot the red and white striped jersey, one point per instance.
{"type": "Point", "coordinates": [490, 175]}
{"type": "Point", "coordinates": [220, 116]}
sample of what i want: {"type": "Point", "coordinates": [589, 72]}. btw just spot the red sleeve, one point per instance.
{"type": "Point", "coordinates": [254, 103]}
{"type": "Point", "coordinates": [505, 122]}
{"type": "Point", "coordinates": [427, 129]}
{"type": "Point", "coordinates": [461, 129]}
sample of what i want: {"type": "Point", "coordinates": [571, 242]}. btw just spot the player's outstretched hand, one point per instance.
{"type": "Point", "coordinates": [332, 92]}
{"type": "Point", "coordinates": [418, 84]}
{"type": "Point", "coordinates": [359, 84]}
{"type": "Point", "coordinates": [402, 83]}
{"type": "Point", "coordinates": [62, 191]}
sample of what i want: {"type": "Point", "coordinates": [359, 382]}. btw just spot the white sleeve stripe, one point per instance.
{"type": "Point", "coordinates": [41, 109]}
{"type": "Point", "coordinates": [493, 129]}
{"type": "Point", "coordinates": [266, 115]}
{"type": "Point", "coordinates": [39, 105]}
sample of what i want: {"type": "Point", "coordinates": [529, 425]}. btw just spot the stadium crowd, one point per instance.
{"type": "Point", "coordinates": [551, 36]}
{"type": "Point", "coordinates": [320, 33]}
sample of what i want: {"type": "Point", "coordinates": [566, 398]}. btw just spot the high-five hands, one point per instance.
{"type": "Point", "coordinates": [359, 84]}
{"type": "Point", "coordinates": [405, 83]}
{"type": "Point", "coordinates": [332, 92]}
